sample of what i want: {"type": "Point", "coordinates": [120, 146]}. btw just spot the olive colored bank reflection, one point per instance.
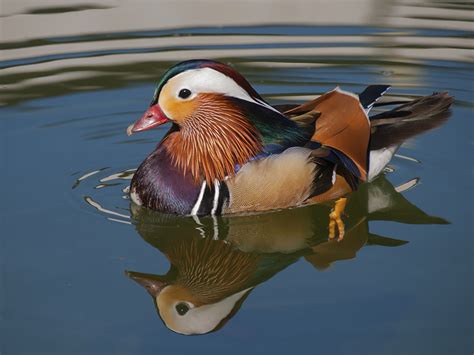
{"type": "Point", "coordinates": [217, 262]}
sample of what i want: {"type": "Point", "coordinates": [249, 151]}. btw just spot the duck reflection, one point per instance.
{"type": "Point", "coordinates": [217, 262]}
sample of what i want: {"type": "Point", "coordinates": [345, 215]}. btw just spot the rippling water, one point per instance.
{"type": "Point", "coordinates": [73, 77]}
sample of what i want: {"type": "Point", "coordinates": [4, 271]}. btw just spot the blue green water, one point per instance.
{"type": "Point", "coordinates": [403, 288]}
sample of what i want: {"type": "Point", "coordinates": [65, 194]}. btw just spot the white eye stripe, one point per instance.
{"type": "Point", "coordinates": [202, 319]}
{"type": "Point", "coordinates": [208, 80]}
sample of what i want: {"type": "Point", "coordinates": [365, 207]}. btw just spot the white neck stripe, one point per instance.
{"type": "Point", "coordinates": [195, 209]}
{"type": "Point", "coordinates": [216, 197]}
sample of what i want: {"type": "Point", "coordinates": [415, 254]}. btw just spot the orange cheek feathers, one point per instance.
{"type": "Point", "coordinates": [177, 109]}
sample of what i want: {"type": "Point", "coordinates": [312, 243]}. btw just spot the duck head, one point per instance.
{"type": "Point", "coordinates": [218, 119]}
{"type": "Point", "coordinates": [206, 285]}
{"type": "Point", "coordinates": [191, 88]}
{"type": "Point", "coordinates": [185, 312]}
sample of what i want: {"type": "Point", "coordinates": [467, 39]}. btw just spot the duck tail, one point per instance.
{"type": "Point", "coordinates": [392, 128]}
{"type": "Point", "coordinates": [361, 142]}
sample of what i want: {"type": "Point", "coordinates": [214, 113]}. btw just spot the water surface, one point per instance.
{"type": "Point", "coordinates": [401, 282]}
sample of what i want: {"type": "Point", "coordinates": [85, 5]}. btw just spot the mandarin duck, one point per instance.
{"type": "Point", "coordinates": [228, 151]}
{"type": "Point", "coordinates": [217, 262]}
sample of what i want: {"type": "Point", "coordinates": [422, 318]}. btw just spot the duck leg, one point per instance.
{"type": "Point", "coordinates": [335, 219]}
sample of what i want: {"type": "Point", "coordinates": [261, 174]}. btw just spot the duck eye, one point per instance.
{"type": "Point", "coordinates": [184, 93]}
{"type": "Point", "coordinates": [182, 308]}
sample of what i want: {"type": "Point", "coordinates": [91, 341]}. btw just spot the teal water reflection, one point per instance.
{"type": "Point", "coordinates": [217, 261]}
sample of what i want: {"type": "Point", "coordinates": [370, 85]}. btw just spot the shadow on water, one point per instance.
{"type": "Point", "coordinates": [216, 262]}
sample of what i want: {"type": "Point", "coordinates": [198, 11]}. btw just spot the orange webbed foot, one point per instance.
{"type": "Point", "coordinates": [335, 219]}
